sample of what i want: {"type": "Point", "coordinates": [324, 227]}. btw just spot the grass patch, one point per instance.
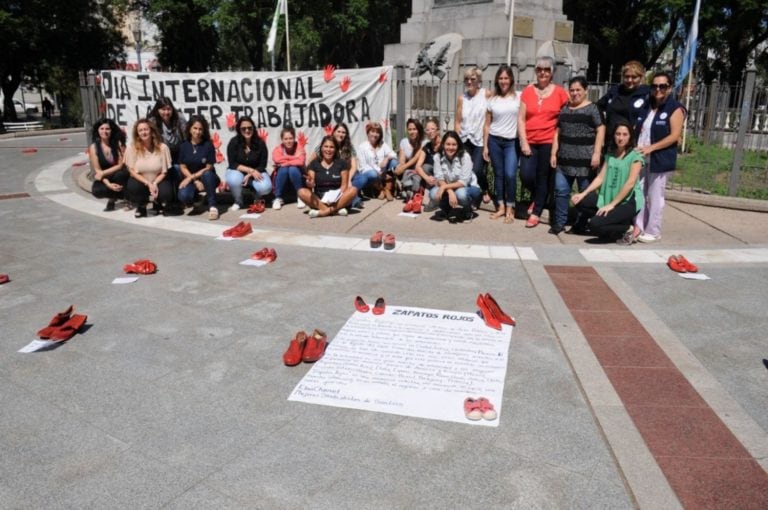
{"type": "Point", "coordinates": [708, 168]}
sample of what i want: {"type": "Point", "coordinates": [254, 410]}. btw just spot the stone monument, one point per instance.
{"type": "Point", "coordinates": [480, 29]}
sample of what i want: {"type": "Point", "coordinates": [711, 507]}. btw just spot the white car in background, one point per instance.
{"type": "Point", "coordinates": [21, 108]}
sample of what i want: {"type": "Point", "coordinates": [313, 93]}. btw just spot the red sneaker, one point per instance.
{"type": "Point", "coordinates": [261, 254]}
{"type": "Point", "coordinates": [271, 255]}
{"type": "Point", "coordinates": [486, 408]}
{"type": "Point", "coordinates": [257, 207]}
{"type": "Point", "coordinates": [472, 409]}
{"type": "Point", "coordinates": [417, 201]}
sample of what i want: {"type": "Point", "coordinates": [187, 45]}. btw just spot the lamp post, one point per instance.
{"type": "Point", "coordinates": [136, 30]}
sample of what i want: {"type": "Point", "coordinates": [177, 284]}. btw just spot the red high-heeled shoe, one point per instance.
{"type": "Point", "coordinates": [497, 311]}
{"type": "Point", "coordinates": [490, 320]}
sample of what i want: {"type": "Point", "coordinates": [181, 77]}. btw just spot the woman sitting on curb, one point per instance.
{"type": "Point", "coordinates": [148, 160]}
{"type": "Point", "coordinates": [247, 158]}
{"type": "Point", "coordinates": [196, 159]}
{"type": "Point", "coordinates": [613, 208]}
{"type": "Point", "coordinates": [106, 157]}
{"type": "Point", "coordinates": [327, 189]}
{"type": "Point", "coordinates": [456, 188]}
{"type": "Point", "coordinates": [289, 158]}
{"type": "Point", "coordinates": [376, 161]}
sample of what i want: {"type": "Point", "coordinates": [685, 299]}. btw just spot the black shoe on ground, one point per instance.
{"type": "Point", "coordinates": [556, 229]}
{"type": "Point", "coordinates": [141, 212]}
{"type": "Point", "coordinates": [110, 205]}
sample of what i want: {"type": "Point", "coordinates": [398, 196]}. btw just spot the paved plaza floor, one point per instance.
{"type": "Point", "coordinates": [627, 385]}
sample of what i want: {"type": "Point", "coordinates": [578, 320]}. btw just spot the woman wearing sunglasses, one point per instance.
{"type": "Point", "coordinates": [658, 141]}
{"type": "Point", "coordinates": [247, 158]}
{"type": "Point", "coordinates": [627, 101]}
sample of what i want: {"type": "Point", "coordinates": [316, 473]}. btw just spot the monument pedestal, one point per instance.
{"type": "Point", "coordinates": [540, 29]}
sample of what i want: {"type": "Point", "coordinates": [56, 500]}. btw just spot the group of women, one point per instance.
{"type": "Point", "coordinates": [556, 138]}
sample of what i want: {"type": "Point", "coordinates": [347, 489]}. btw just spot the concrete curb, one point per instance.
{"type": "Point", "coordinates": [45, 132]}
{"type": "Point", "coordinates": [741, 204]}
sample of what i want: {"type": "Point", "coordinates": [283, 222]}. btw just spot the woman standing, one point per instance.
{"type": "Point", "coordinates": [469, 122]}
{"type": "Point", "coordinates": [327, 189]}
{"type": "Point", "coordinates": [376, 161]}
{"type": "Point", "coordinates": [196, 159]}
{"type": "Point", "coordinates": [247, 158]}
{"type": "Point", "coordinates": [576, 149]}
{"type": "Point", "coordinates": [500, 141]}
{"type": "Point", "coordinates": [148, 160]}
{"type": "Point", "coordinates": [658, 141]}
{"type": "Point", "coordinates": [627, 101]}
{"type": "Point", "coordinates": [408, 157]}
{"type": "Point", "coordinates": [107, 164]}
{"type": "Point", "coordinates": [540, 106]}
{"type": "Point", "coordinates": [612, 209]}
{"type": "Point", "coordinates": [289, 158]}
{"type": "Point", "coordinates": [456, 188]}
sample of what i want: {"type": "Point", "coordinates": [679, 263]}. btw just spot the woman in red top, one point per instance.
{"type": "Point", "coordinates": [540, 105]}
{"type": "Point", "coordinates": [289, 158]}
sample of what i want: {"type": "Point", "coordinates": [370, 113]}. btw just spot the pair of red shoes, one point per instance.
{"type": "Point", "coordinates": [265, 254]}
{"type": "Point", "coordinates": [240, 230]}
{"type": "Point", "coordinates": [257, 207]}
{"type": "Point", "coordinates": [63, 326]}
{"type": "Point", "coordinates": [378, 238]}
{"type": "Point", "coordinates": [142, 266]}
{"type": "Point", "coordinates": [4, 278]}
{"type": "Point", "coordinates": [306, 349]}
{"type": "Point", "coordinates": [414, 204]}
{"type": "Point", "coordinates": [492, 313]}
{"type": "Point", "coordinates": [680, 264]}
{"type": "Point", "coordinates": [362, 307]}
{"type": "Point", "coordinates": [474, 409]}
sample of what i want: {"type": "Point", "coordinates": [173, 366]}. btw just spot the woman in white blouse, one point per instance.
{"type": "Point", "coordinates": [375, 163]}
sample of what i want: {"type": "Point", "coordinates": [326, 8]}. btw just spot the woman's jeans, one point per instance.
{"type": "Point", "coordinates": [534, 174]}
{"type": "Point", "coordinates": [234, 179]}
{"type": "Point", "coordinates": [478, 165]}
{"type": "Point", "coordinates": [503, 153]}
{"type": "Point", "coordinates": [466, 196]}
{"type": "Point", "coordinates": [286, 174]}
{"type": "Point", "coordinates": [210, 182]}
{"type": "Point", "coordinates": [364, 178]}
{"type": "Point", "coordinates": [563, 187]}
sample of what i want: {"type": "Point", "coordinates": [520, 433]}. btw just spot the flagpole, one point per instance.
{"type": "Point", "coordinates": [687, 105]}
{"type": "Point", "coordinates": [511, 7]}
{"type": "Point", "coordinates": [287, 37]}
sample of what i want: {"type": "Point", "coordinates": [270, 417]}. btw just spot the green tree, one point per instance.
{"type": "Point", "coordinates": [41, 36]}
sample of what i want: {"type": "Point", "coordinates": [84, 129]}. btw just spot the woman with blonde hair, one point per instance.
{"type": "Point", "coordinates": [148, 160]}
{"type": "Point", "coordinates": [469, 121]}
{"type": "Point", "coordinates": [628, 101]}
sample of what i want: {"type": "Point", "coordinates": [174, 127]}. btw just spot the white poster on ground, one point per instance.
{"type": "Point", "coordinates": [415, 362]}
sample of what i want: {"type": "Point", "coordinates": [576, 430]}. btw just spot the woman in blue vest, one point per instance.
{"type": "Point", "coordinates": [658, 141]}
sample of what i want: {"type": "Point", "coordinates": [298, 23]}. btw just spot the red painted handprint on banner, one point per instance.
{"type": "Point", "coordinates": [328, 128]}
{"type": "Point", "coordinates": [216, 140]}
{"type": "Point", "coordinates": [301, 139]}
{"type": "Point", "coordinates": [328, 73]}
{"type": "Point", "coordinates": [383, 76]}
{"type": "Point", "coordinates": [344, 85]}
{"type": "Point", "coordinates": [231, 121]}
{"type": "Point", "coordinates": [263, 134]}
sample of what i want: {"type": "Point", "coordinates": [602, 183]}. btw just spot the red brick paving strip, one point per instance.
{"type": "Point", "coordinates": [703, 461]}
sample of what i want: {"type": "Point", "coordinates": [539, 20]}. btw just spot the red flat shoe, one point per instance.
{"type": "Point", "coordinates": [376, 239]}
{"type": "Point", "coordinates": [418, 199]}
{"type": "Point", "coordinates": [257, 207]}
{"type": "Point", "coordinates": [361, 306]}
{"type": "Point", "coordinates": [142, 266]}
{"type": "Point", "coordinates": [408, 207]}
{"type": "Point", "coordinates": [4, 279]}
{"type": "Point", "coordinates": [533, 221]}
{"type": "Point", "coordinates": [271, 255]}
{"type": "Point", "coordinates": [472, 409]}
{"type": "Point", "coordinates": [261, 254]}
{"type": "Point", "coordinates": [292, 355]}
{"type": "Point", "coordinates": [530, 208]}
{"type": "Point", "coordinates": [58, 320]}
{"type": "Point", "coordinates": [241, 229]}
{"type": "Point", "coordinates": [490, 320]}
{"type": "Point", "coordinates": [69, 328]}
{"type": "Point", "coordinates": [686, 264]}
{"type": "Point", "coordinates": [389, 242]}
{"type": "Point", "coordinates": [379, 306]}
{"type": "Point", "coordinates": [315, 347]}
{"type": "Point", "coordinates": [674, 264]}
{"type": "Point", "coordinates": [497, 312]}
{"type": "Point", "coordinates": [486, 408]}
